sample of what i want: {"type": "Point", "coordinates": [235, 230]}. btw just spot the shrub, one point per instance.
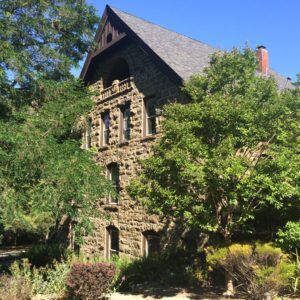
{"type": "Point", "coordinates": [50, 280]}
{"type": "Point", "coordinates": [256, 269]}
{"type": "Point", "coordinates": [44, 254]}
{"type": "Point", "coordinates": [14, 288]}
{"type": "Point", "coordinates": [171, 268]}
{"type": "Point", "coordinates": [88, 281]}
{"type": "Point", "coordinates": [288, 238]}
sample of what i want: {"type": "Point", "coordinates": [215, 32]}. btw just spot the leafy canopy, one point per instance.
{"type": "Point", "coordinates": [44, 37]}
{"type": "Point", "coordinates": [44, 175]}
{"type": "Point", "coordinates": [231, 151]}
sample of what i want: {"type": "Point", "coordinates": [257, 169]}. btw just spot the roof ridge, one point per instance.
{"type": "Point", "coordinates": [162, 27]}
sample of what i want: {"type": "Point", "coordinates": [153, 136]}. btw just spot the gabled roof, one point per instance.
{"type": "Point", "coordinates": [176, 54]}
{"type": "Point", "coordinates": [184, 55]}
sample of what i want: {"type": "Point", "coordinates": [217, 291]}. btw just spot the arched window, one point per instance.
{"type": "Point", "coordinates": [150, 242]}
{"type": "Point", "coordinates": [119, 70]}
{"type": "Point", "coordinates": [108, 38]}
{"type": "Point", "coordinates": [112, 241]}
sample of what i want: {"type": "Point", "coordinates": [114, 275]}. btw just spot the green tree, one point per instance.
{"type": "Point", "coordinates": [232, 151]}
{"type": "Point", "coordinates": [44, 37]}
{"type": "Point", "coordinates": [45, 177]}
{"type": "Point", "coordinates": [44, 174]}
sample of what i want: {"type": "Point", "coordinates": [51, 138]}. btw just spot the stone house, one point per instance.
{"type": "Point", "coordinates": [136, 69]}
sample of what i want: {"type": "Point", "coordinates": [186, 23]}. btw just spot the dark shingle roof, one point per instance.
{"type": "Point", "coordinates": [184, 55]}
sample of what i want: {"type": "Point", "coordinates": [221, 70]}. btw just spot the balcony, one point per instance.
{"type": "Point", "coordinates": [116, 88]}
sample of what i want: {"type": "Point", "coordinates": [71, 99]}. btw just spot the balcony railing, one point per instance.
{"type": "Point", "coordinates": [117, 87]}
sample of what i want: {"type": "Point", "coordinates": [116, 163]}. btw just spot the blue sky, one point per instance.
{"type": "Point", "coordinates": [228, 23]}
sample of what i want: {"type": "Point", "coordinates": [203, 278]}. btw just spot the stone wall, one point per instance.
{"type": "Point", "coordinates": [146, 80]}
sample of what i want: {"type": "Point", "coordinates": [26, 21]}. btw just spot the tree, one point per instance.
{"type": "Point", "coordinates": [44, 175]}
{"type": "Point", "coordinates": [44, 37]}
{"type": "Point", "coordinates": [232, 151]}
{"type": "Point", "coordinates": [40, 39]}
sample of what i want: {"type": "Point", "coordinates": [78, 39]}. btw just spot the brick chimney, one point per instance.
{"type": "Point", "coordinates": [263, 59]}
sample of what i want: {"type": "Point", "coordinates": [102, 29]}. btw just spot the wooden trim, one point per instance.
{"type": "Point", "coordinates": [171, 74]}
{"type": "Point", "coordinates": [99, 51]}
{"type": "Point", "coordinates": [97, 35]}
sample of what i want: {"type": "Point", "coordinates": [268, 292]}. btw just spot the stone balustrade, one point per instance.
{"type": "Point", "coordinates": [116, 88]}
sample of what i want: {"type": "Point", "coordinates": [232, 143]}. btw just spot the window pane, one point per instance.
{"type": "Point", "coordinates": [113, 175]}
{"type": "Point", "coordinates": [106, 121]}
{"type": "Point", "coordinates": [114, 240]}
{"type": "Point", "coordinates": [126, 124]}
{"type": "Point", "coordinates": [153, 244]}
{"type": "Point", "coordinates": [106, 124]}
{"type": "Point", "coordinates": [151, 125]}
{"type": "Point", "coordinates": [151, 116]}
{"type": "Point", "coordinates": [151, 108]}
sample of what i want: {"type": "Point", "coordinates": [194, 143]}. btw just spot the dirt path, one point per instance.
{"type": "Point", "coordinates": [169, 294]}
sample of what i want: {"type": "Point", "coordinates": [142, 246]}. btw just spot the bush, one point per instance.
{"type": "Point", "coordinates": [87, 281]}
{"type": "Point", "coordinates": [17, 286]}
{"type": "Point", "coordinates": [45, 254]}
{"type": "Point", "coordinates": [50, 280]}
{"type": "Point", "coordinates": [255, 269]}
{"type": "Point", "coordinates": [174, 268]}
{"type": "Point", "coordinates": [12, 288]}
{"type": "Point", "coordinates": [288, 238]}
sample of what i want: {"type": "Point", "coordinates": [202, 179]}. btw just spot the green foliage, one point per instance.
{"type": "Point", "coordinates": [255, 269]}
{"type": "Point", "coordinates": [50, 280]}
{"type": "Point", "coordinates": [288, 237]}
{"type": "Point", "coordinates": [44, 175]}
{"type": "Point", "coordinates": [295, 279]}
{"type": "Point", "coordinates": [45, 254]}
{"type": "Point", "coordinates": [167, 269]}
{"type": "Point", "coordinates": [43, 280]}
{"type": "Point", "coordinates": [230, 153]}
{"type": "Point", "coordinates": [43, 38]}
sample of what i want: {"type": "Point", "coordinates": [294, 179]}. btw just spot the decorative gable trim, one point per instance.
{"type": "Point", "coordinates": [108, 34]}
{"type": "Point", "coordinates": [112, 23]}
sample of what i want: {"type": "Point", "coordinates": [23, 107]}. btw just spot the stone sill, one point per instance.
{"type": "Point", "coordinates": [111, 206]}
{"type": "Point", "coordinates": [149, 138]}
{"type": "Point", "coordinates": [123, 143]}
{"type": "Point", "coordinates": [103, 148]}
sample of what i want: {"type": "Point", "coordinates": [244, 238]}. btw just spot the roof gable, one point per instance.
{"type": "Point", "coordinates": [184, 55]}
{"type": "Point", "coordinates": [177, 55]}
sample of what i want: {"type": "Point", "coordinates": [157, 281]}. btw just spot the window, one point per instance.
{"type": "Point", "coordinates": [113, 176]}
{"type": "Point", "coordinates": [125, 124]}
{"type": "Point", "coordinates": [150, 117]}
{"type": "Point", "coordinates": [151, 242]}
{"type": "Point", "coordinates": [108, 38]}
{"type": "Point", "coordinates": [105, 129]}
{"type": "Point", "coordinates": [112, 241]}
